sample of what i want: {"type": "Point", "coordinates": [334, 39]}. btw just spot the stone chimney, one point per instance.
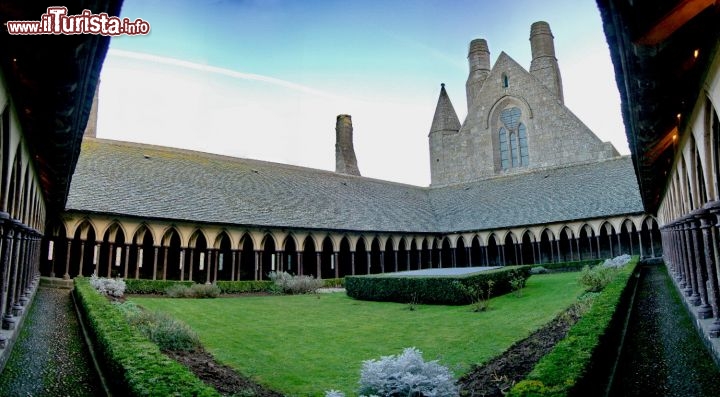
{"type": "Point", "coordinates": [345, 160]}
{"type": "Point", "coordinates": [479, 62]}
{"type": "Point", "coordinates": [91, 127]}
{"type": "Point", "coordinates": [544, 65]}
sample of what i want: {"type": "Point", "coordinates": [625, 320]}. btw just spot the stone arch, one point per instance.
{"type": "Point", "coordinates": [82, 249]}
{"type": "Point", "coordinates": [461, 253]}
{"type": "Point", "coordinates": [403, 255]}
{"type": "Point", "coordinates": [268, 258]}
{"type": "Point", "coordinates": [310, 260]}
{"type": "Point", "coordinates": [171, 254]}
{"type": "Point", "coordinates": [389, 262]}
{"type": "Point", "coordinates": [546, 251]}
{"type": "Point", "coordinates": [289, 255]}
{"type": "Point", "coordinates": [510, 249]}
{"type": "Point", "coordinates": [605, 242]}
{"type": "Point", "coordinates": [15, 185]}
{"type": "Point", "coordinates": [585, 242]}
{"type": "Point", "coordinates": [346, 258]}
{"type": "Point", "coordinates": [494, 256]}
{"type": "Point", "coordinates": [527, 248]}
{"type": "Point", "coordinates": [327, 259]}
{"type": "Point", "coordinates": [476, 252]}
{"type": "Point", "coordinates": [376, 256]}
{"type": "Point", "coordinates": [565, 244]}
{"type": "Point", "coordinates": [627, 237]}
{"type": "Point", "coordinates": [247, 258]}
{"type": "Point", "coordinates": [362, 256]}
{"type": "Point", "coordinates": [110, 256]}
{"type": "Point", "coordinates": [143, 253]}
{"type": "Point", "coordinates": [445, 258]}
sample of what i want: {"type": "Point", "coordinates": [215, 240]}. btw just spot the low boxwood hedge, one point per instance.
{"type": "Point", "coordinates": [333, 282]}
{"type": "Point", "coordinates": [445, 290]}
{"type": "Point", "coordinates": [136, 365]}
{"type": "Point", "coordinates": [151, 287]}
{"type": "Point", "coordinates": [240, 287]}
{"type": "Point", "coordinates": [577, 361]}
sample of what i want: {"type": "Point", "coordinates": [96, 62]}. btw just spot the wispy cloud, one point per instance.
{"type": "Point", "coordinates": [220, 71]}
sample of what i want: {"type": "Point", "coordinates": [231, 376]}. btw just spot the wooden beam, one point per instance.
{"type": "Point", "coordinates": [684, 11]}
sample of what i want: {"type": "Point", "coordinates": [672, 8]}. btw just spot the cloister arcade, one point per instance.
{"type": "Point", "coordinates": [165, 250]}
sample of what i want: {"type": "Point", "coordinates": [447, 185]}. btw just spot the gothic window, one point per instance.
{"type": "Point", "coordinates": [513, 140]}
{"type": "Point", "coordinates": [505, 81]}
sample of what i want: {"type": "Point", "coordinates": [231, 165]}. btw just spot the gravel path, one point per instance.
{"type": "Point", "coordinates": [663, 353]}
{"type": "Point", "coordinates": [50, 358]}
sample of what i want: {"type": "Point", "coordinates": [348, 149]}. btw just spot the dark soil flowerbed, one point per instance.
{"type": "Point", "coordinates": [223, 378]}
{"type": "Point", "coordinates": [498, 375]}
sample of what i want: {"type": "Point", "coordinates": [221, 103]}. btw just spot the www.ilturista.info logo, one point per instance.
{"type": "Point", "coordinates": [57, 21]}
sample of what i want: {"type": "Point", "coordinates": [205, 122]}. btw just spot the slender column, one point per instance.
{"type": "Point", "coordinates": [619, 244]}
{"type": "Point", "coordinates": [632, 250]}
{"type": "Point", "coordinates": [691, 289]}
{"type": "Point", "coordinates": [570, 240]}
{"type": "Point", "coordinates": [257, 264]}
{"type": "Point", "coordinates": [640, 243]}
{"type": "Point", "coordinates": [155, 262]}
{"type": "Point", "coordinates": [318, 264]}
{"type": "Point", "coordinates": [352, 262]}
{"type": "Point", "coordinates": [597, 239]}
{"type": "Point", "coordinates": [382, 261]}
{"type": "Point", "coordinates": [487, 256]}
{"type": "Point", "coordinates": [577, 245]}
{"type": "Point", "coordinates": [557, 244]}
{"type": "Point", "coordinates": [337, 264]}
{"type": "Point", "coordinates": [704, 310]}
{"type": "Point", "coordinates": [419, 258]}
{"type": "Point", "coordinates": [82, 257]}
{"type": "Point", "coordinates": [468, 255]}
{"type": "Point", "coordinates": [502, 255]}
{"type": "Point", "coordinates": [219, 259]}
{"type": "Point", "coordinates": [181, 264]}
{"type": "Point", "coordinates": [165, 260]}
{"type": "Point", "coordinates": [652, 244]}
{"type": "Point", "coordinates": [712, 282]}
{"type": "Point", "coordinates": [691, 259]}
{"type": "Point", "coordinates": [127, 260]}
{"type": "Point", "coordinates": [453, 258]}
{"type": "Point", "coordinates": [396, 260]}
{"type": "Point", "coordinates": [232, 265]}
{"type": "Point", "coordinates": [300, 264]}
{"type": "Point", "coordinates": [209, 266]}
{"type": "Point", "coordinates": [11, 309]}
{"type": "Point", "coordinates": [111, 251]}
{"type": "Point", "coordinates": [5, 265]}
{"type": "Point", "coordinates": [139, 261]}
{"type": "Point", "coordinates": [368, 262]}
{"type": "Point", "coordinates": [612, 254]}
{"type": "Point", "coordinates": [191, 268]}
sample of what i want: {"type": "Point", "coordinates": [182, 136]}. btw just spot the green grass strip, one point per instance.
{"type": "Point", "coordinates": [560, 370]}
{"type": "Point", "coordinates": [134, 365]}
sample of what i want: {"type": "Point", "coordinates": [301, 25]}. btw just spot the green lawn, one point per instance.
{"type": "Point", "coordinates": [304, 345]}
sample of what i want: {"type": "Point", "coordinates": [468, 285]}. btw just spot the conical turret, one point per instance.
{"type": "Point", "coordinates": [445, 118]}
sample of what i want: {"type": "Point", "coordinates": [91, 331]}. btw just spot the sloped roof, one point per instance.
{"type": "Point", "coordinates": [445, 118]}
{"type": "Point", "coordinates": [165, 183]}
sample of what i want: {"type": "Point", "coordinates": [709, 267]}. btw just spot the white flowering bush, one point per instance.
{"type": "Point", "coordinates": [114, 287]}
{"type": "Point", "coordinates": [618, 261]}
{"type": "Point", "coordinates": [406, 374]}
{"type": "Point", "coordinates": [289, 284]}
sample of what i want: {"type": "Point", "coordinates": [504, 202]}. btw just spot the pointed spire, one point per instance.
{"type": "Point", "coordinates": [445, 118]}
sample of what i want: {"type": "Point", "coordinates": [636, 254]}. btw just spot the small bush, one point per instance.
{"type": "Point", "coordinates": [539, 270]}
{"type": "Point", "coordinates": [114, 287]}
{"type": "Point", "coordinates": [406, 374]}
{"type": "Point", "coordinates": [193, 291]}
{"type": "Point", "coordinates": [618, 261]}
{"type": "Point", "coordinates": [333, 282]}
{"type": "Point", "coordinates": [241, 287]}
{"type": "Point", "coordinates": [289, 284]}
{"type": "Point", "coordinates": [479, 294]}
{"type": "Point", "coordinates": [165, 331]}
{"type": "Point", "coordinates": [517, 283]}
{"type": "Point", "coordinates": [596, 278]}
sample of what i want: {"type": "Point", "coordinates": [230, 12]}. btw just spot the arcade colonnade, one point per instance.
{"type": "Point", "coordinates": [166, 250]}
{"type": "Point", "coordinates": [22, 220]}
{"type": "Point", "coordinates": [689, 213]}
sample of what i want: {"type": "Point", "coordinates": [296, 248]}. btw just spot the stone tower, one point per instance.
{"type": "Point", "coordinates": [479, 60]}
{"type": "Point", "coordinates": [445, 123]}
{"type": "Point", "coordinates": [544, 65]}
{"type": "Point", "coordinates": [345, 160]}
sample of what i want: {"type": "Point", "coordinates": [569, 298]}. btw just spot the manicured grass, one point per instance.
{"type": "Point", "coordinates": [304, 345]}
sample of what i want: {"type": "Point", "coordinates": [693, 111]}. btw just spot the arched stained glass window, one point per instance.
{"type": "Point", "coordinates": [513, 140]}
{"type": "Point", "coordinates": [504, 150]}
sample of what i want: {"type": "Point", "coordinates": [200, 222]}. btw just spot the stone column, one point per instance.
{"type": "Point", "coordinates": [691, 289]}
{"type": "Point", "coordinates": [17, 261]}
{"type": "Point", "coordinates": [352, 262]}
{"type": "Point", "coordinates": [181, 264]}
{"type": "Point", "coordinates": [318, 264]}
{"type": "Point", "coordinates": [127, 261]}
{"type": "Point", "coordinates": [559, 257]}
{"type": "Point", "coordinates": [468, 255]}
{"type": "Point", "coordinates": [704, 311]}
{"type": "Point", "coordinates": [577, 245]}
{"type": "Point", "coordinates": [155, 262]}
{"type": "Point", "coordinates": [712, 282]}
{"type": "Point", "coordinates": [66, 276]}
{"type": "Point", "coordinates": [96, 258]}
{"type": "Point", "coordinates": [369, 257]}
{"type": "Point", "coordinates": [336, 255]}
{"type": "Point", "coordinates": [257, 264]}
{"type": "Point", "coordinates": [165, 260]}
{"type": "Point", "coordinates": [139, 261]}
{"type": "Point", "coordinates": [209, 265]}
{"type": "Point", "coordinates": [597, 238]}
{"type": "Point", "coordinates": [232, 265]}
{"type": "Point", "coordinates": [487, 256]}
{"type": "Point", "coordinates": [9, 322]}
{"type": "Point", "coordinates": [612, 254]}
{"type": "Point", "coordinates": [82, 257]}
{"type": "Point", "coordinates": [396, 260]}
{"type": "Point", "coordinates": [453, 259]}
{"type": "Point", "coordinates": [5, 260]}
{"type": "Point", "coordinates": [111, 252]}
{"type": "Point", "coordinates": [382, 261]}
{"type": "Point", "coordinates": [191, 265]}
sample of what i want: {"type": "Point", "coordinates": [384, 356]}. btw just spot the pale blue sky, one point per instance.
{"type": "Point", "coordinates": [265, 79]}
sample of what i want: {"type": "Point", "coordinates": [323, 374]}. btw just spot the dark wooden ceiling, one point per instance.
{"type": "Point", "coordinates": [661, 51]}
{"type": "Point", "coordinates": [52, 79]}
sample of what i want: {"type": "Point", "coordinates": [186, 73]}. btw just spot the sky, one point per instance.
{"type": "Point", "coordinates": [265, 79]}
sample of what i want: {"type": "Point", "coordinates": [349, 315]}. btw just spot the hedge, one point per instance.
{"type": "Point", "coordinates": [575, 364]}
{"type": "Point", "coordinates": [333, 282]}
{"type": "Point", "coordinates": [570, 266]}
{"type": "Point", "coordinates": [136, 365]}
{"type": "Point", "coordinates": [151, 287]}
{"type": "Point", "coordinates": [444, 290]}
{"type": "Point", "coordinates": [239, 287]}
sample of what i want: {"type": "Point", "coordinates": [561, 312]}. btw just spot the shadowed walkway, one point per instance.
{"type": "Point", "coordinates": [49, 358]}
{"type": "Point", "coordinates": [663, 354]}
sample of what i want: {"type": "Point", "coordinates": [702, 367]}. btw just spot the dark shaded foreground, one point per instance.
{"type": "Point", "coordinates": [50, 357]}
{"type": "Point", "coordinates": [663, 354]}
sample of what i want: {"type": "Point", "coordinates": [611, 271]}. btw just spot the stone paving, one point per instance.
{"type": "Point", "coordinates": [50, 357]}
{"type": "Point", "coordinates": [663, 353]}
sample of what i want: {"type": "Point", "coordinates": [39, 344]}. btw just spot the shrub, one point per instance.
{"type": "Point", "coordinates": [241, 287]}
{"type": "Point", "coordinates": [114, 287]}
{"type": "Point", "coordinates": [179, 291]}
{"type": "Point", "coordinates": [137, 365]}
{"type": "Point", "coordinates": [617, 261]}
{"type": "Point", "coordinates": [539, 270]}
{"type": "Point", "coordinates": [165, 331]}
{"type": "Point", "coordinates": [517, 283]}
{"type": "Point", "coordinates": [333, 282]}
{"type": "Point", "coordinates": [406, 374]}
{"type": "Point", "coordinates": [289, 284]}
{"type": "Point", "coordinates": [205, 290]}
{"type": "Point", "coordinates": [431, 289]}
{"type": "Point", "coordinates": [152, 287]}
{"type": "Point", "coordinates": [478, 294]}
{"type": "Point", "coordinates": [596, 278]}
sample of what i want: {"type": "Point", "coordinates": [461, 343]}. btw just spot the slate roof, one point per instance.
{"type": "Point", "coordinates": [166, 183]}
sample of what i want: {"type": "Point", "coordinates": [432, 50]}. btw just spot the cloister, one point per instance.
{"type": "Point", "coordinates": [134, 248]}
